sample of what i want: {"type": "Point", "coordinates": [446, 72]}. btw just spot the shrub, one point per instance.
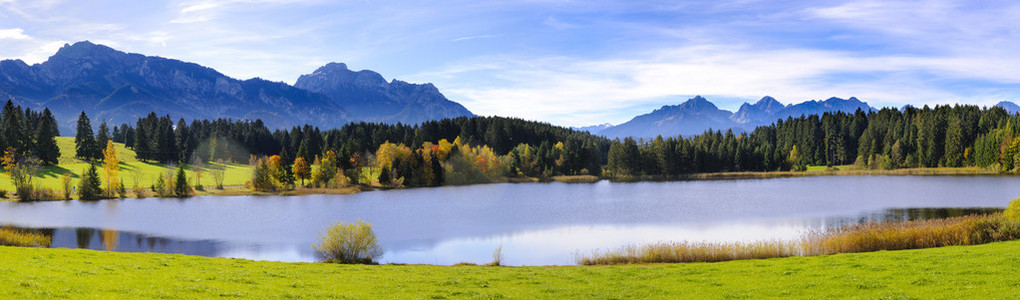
{"type": "Point", "coordinates": [65, 183]}
{"type": "Point", "coordinates": [41, 193]}
{"type": "Point", "coordinates": [348, 243]}
{"type": "Point", "coordinates": [3, 193]}
{"type": "Point", "coordinates": [140, 192]}
{"type": "Point", "coordinates": [1013, 210]}
{"type": "Point", "coordinates": [497, 257]}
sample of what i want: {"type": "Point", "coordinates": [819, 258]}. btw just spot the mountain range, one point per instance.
{"type": "Point", "coordinates": [697, 115]}
{"type": "Point", "coordinates": [120, 87]}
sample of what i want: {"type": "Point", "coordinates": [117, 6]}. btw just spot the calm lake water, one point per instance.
{"type": "Point", "coordinates": [535, 223]}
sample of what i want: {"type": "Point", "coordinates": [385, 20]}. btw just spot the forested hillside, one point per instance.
{"type": "Point", "coordinates": [944, 136]}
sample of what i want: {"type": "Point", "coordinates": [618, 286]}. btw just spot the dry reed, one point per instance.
{"type": "Point", "coordinates": [871, 236]}
{"type": "Point", "coordinates": [13, 237]}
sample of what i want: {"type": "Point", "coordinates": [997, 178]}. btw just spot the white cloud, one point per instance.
{"type": "Point", "coordinates": [14, 34]}
{"type": "Point", "coordinates": [571, 91]}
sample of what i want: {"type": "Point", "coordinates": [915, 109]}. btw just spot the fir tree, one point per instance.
{"type": "Point", "coordinates": [103, 135]}
{"type": "Point", "coordinates": [45, 143]}
{"type": "Point", "coordinates": [181, 188]}
{"type": "Point", "coordinates": [90, 187]}
{"type": "Point", "coordinates": [85, 140]}
{"type": "Point", "coordinates": [15, 132]}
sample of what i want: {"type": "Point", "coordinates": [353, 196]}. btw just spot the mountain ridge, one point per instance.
{"type": "Point", "coordinates": [697, 114]}
{"type": "Point", "coordinates": [121, 87]}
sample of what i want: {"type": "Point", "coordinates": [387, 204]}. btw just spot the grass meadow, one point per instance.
{"type": "Point", "coordinates": [983, 271]}
{"type": "Point", "coordinates": [132, 171]}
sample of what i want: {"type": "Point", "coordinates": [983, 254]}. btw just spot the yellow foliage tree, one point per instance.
{"type": "Point", "coordinates": [111, 164]}
{"type": "Point", "coordinates": [301, 169]}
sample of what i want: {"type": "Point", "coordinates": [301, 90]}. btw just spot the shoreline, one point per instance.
{"type": "Point", "coordinates": [237, 190]}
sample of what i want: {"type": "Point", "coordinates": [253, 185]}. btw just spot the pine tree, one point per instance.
{"type": "Point", "coordinates": [90, 187]}
{"type": "Point", "coordinates": [45, 143]}
{"type": "Point", "coordinates": [84, 139]}
{"type": "Point", "coordinates": [103, 135]}
{"type": "Point", "coordinates": [181, 188]}
{"type": "Point", "coordinates": [15, 132]}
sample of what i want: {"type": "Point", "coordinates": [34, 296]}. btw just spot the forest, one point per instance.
{"type": "Point", "coordinates": [943, 136]}
{"type": "Point", "coordinates": [484, 149]}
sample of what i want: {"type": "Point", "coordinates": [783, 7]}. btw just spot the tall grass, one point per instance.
{"type": "Point", "coordinates": [871, 236]}
{"type": "Point", "coordinates": [13, 237]}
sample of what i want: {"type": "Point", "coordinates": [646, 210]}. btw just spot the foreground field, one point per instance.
{"type": "Point", "coordinates": [951, 272]}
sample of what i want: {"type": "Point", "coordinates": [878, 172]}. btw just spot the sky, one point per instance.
{"type": "Point", "coordinates": [570, 63]}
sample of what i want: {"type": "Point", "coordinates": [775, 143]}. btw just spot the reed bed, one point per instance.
{"type": "Point", "coordinates": [13, 237]}
{"type": "Point", "coordinates": [865, 237]}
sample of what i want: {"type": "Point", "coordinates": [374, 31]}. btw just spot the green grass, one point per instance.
{"type": "Point", "coordinates": [130, 170]}
{"type": "Point", "coordinates": [985, 271]}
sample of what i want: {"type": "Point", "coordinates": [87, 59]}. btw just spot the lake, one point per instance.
{"type": "Point", "coordinates": [535, 223]}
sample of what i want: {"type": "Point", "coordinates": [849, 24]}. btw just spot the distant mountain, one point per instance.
{"type": "Point", "coordinates": [366, 95]}
{"type": "Point", "coordinates": [697, 115]}
{"type": "Point", "coordinates": [691, 117]}
{"type": "Point", "coordinates": [815, 107]}
{"type": "Point", "coordinates": [593, 129]}
{"type": "Point", "coordinates": [760, 112]}
{"type": "Point", "coordinates": [121, 87]}
{"type": "Point", "coordinates": [1010, 107]}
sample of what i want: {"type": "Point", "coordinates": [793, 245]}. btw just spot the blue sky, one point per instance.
{"type": "Point", "coordinates": [570, 62]}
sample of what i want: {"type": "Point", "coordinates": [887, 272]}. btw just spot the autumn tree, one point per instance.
{"type": "Point", "coordinates": [111, 165]}
{"type": "Point", "coordinates": [301, 169]}
{"type": "Point", "coordinates": [20, 170]}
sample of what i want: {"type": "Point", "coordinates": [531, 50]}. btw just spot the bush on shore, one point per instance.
{"type": "Point", "coordinates": [349, 243]}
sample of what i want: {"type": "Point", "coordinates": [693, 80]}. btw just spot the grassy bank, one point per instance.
{"type": "Point", "coordinates": [865, 237]}
{"type": "Point", "coordinates": [950, 272]}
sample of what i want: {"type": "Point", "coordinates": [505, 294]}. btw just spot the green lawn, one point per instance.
{"type": "Point", "coordinates": [984, 271]}
{"type": "Point", "coordinates": [130, 170]}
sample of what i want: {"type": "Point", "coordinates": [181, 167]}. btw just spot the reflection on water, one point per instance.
{"type": "Point", "coordinates": [536, 224]}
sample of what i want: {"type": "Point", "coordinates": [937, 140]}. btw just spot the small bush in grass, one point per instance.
{"type": "Point", "coordinates": [1013, 210]}
{"type": "Point", "coordinates": [497, 257]}
{"type": "Point", "coordinates": [349, 243]}
{"type": "Point", "coordinates": [3, 193]}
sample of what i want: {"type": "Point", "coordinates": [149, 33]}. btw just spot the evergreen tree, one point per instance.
{"type": "Point", "coordinates": [181, 188]}
{"type": "Point", "coordinates": [90, 187]}
{"type": "Point", "coordinates": [85, 140]}
{"type": "Point", "coordinates": [45, 142]}
{"type": "Point", "coordinates": [15, 132]}
{"type": "Point", "coordinates": [117, 136]}
{"type": "Point", "coordinates": [103, 135]}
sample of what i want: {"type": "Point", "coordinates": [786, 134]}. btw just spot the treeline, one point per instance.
{"type": "Point", "coordinates": [29, 133]}
{"type": "Point", "coordinates": [943, 136]}
{"type": "Point", "coordinates": [583, 152]}
{"type": "Point", "coordinates": [543, 149]}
